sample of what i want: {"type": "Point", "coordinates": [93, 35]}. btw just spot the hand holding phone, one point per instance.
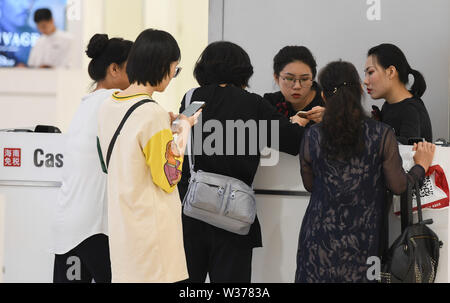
{"type": "Point", "coordinates": [191, 110]}
{"type": "Point", "coordinates": [302, 114]}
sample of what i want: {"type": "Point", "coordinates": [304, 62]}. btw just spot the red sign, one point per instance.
{"type": "Point", "coordinates": [11, 157]}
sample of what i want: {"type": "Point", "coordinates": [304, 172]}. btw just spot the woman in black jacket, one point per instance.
{"type": "Point", "coordinates": [223, 71]}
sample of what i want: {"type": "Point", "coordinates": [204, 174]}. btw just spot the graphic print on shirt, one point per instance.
{"type": "Point", "coordinates": [163, 158]}
{"type": "Point", "coordinates": [173, 174]}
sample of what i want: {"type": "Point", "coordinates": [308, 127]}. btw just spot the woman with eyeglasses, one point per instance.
{"type": "Point", "coordinates": [144, 208]}
{"type": "Point", "coordinates": [387, 72]}
{"type": "Point", "coordinates": [294, 71]}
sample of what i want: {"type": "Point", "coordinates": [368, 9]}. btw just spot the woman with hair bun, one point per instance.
{"type": "Point", "coordinates": [80, 226]}
{"type": "Point", "coordinates": [387, 72]}
{"type": "Point", "coordinates": [348, 162]}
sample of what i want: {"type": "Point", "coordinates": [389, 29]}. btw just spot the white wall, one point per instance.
{"type": "Point", "coordinates": [341, 29]}
{"type": "Point", "coordinates": [331, 30]}
{"type": "Point", "coordinates": [187, 21]}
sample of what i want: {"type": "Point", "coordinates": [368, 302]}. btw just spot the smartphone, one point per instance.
{"type": "Point", "coordinates": [194, 107]}
{"type": "Point", "coordinates": [413, 140]}
{"type": "Point", "coordinates": [302, 114]}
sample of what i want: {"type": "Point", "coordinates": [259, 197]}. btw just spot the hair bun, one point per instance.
{"type": "Point", "coordinates": [97, 45]}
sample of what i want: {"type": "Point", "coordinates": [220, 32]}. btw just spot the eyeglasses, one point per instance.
{"type": "Point", "coordinates": [177, 71]}
{"type": "Point", "coordinates": [304, 82]}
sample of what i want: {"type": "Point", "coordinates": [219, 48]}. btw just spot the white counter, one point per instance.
{"type": "Point", "coordinates": [29, 193]}
{"type": "Point", "coordinates": [281, 217]}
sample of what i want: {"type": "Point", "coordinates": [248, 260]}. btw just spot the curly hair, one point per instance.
{"type": "Point", "coordinates": [223, 62]}
{"type": "Point", "coordinates": [342, 121]}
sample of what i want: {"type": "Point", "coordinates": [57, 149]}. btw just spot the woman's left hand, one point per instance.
{"type": "Point", "coordinates": [316, 113]}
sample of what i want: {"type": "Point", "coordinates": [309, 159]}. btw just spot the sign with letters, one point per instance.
{"type": "Point", "coordinates": [31, 156]}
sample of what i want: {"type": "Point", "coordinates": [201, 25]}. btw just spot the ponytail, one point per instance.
{"type": "Point", "coordinates": [419, 86]}
{"type": "Point", "coordinates": [342, 121]}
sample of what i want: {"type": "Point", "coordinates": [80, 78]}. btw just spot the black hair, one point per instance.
{"type": "Point", "coordinates": [103, 52]}
{"type": "Point", "coordinates": [151, 56]}
{"type": "Point", "coordinates": [289, 54]}
{"type": "Point", "coordinates": [42, 14]}
{"type": "Point", "coordinates": [342, 121]}
{"type": "Point", "coordinates": [223, 62]}
{"type": "Point", "coordinates": [390, 55]}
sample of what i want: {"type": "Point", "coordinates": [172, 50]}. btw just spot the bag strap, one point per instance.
{"type": "Point", "coordinates": [116, 134]}
{"type": "Point", "coordinates": [419, 203]}
{"type": "Point", "coordinates": [384, 228]}
{"type": "Point", "coordinates": [407, 209]}
{"type": "Point", "coordinates": [189, 148]}
{"type": "Point", "coordinates": [406, 214]}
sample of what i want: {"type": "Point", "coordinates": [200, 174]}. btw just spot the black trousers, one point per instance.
{"type": "Point", "coordinates": [210, 250]}
{"type": "Point", "coordinates": [88, 261]}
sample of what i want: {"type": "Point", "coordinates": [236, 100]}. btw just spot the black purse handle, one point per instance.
{"type": "Point", "coordinates": [406, 211]}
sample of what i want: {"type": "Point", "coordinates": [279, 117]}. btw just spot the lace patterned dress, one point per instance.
{"type": "Point", "coordinates": [342, 224]}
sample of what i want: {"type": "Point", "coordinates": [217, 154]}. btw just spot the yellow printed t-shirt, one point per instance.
{"type": "Point", "coordinates": [144, 208]}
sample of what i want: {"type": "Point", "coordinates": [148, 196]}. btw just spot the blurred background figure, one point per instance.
{"type": "Point", "coordinates": [54, 48]}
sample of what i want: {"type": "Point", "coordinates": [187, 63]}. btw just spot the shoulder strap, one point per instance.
{"type": "Point", "coordinates": [116, 134]}
{"type": "Point", "coordinates": [189, 148]}
{"type": "Point", "coordinates": [406, 206]}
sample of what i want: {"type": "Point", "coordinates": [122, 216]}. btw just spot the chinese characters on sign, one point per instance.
{"type": "Point", "coordinates": [11, 157]}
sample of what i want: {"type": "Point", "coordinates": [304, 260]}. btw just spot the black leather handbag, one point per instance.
{"type": "Point", "coordinates": [414, 256]}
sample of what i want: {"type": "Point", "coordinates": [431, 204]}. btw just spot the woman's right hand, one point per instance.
{"type": "Point", "coordinates": [424, 154]}
{"type": "Point", "coordinates": [192, 119]}
{"type": "Point", "coordinates": [300, 121]}
{"type": "Point", "coordinates": [316, 114]}
{"type": "Point", "coordinates": [181, 129]}
{"type": "Point", "coordinates": [183, 120]}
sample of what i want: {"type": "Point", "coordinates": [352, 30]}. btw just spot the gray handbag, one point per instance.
{"type": "Point", "coordinates": [222, 201]}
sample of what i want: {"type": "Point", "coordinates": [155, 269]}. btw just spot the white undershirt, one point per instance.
{"type": "Point", "coordinates": [55, 50]}
{"type": "Point", "coordinates": [81, 210]}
